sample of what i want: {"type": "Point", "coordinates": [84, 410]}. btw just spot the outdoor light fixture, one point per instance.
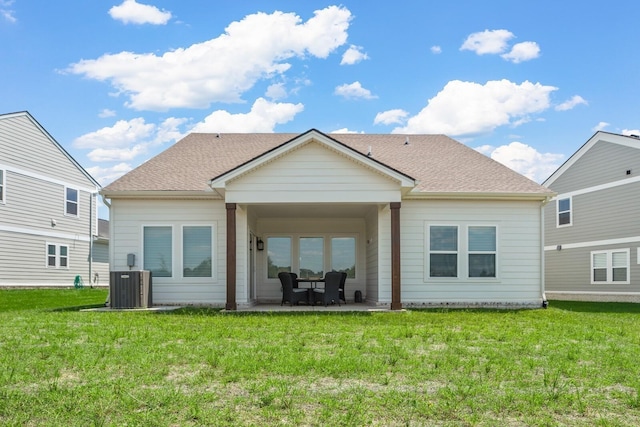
{"type": "Point", "coordinates": [260, 244]}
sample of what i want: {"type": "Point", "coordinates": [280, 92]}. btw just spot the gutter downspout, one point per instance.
{"type": "Point", "coordinates": [545, 303]}
{"type": "Point", "coordinates": [91, 197]}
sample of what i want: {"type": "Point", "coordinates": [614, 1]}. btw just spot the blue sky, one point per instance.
{"type": "Point", "coordinates": [527, 83]}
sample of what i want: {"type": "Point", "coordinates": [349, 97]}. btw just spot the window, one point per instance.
{"type": "Point", "coordinates": [343, 255]}
{"type": "Point", "coordinates": [564, 211]}
{"type": "Point", "coordinates": [482, 251]}
{"type": "Point", "coordinates": [71, 202]}
{"type": "Point", "coordinates": [443, 251]}
{"type": "Point", "coordinates": [57, 256]}
{"type": "Point", "coordinates": [311, 257]}
{"type": "Point", "coordinates": [278, 256]}
{"type": "Point", "coordinates": [157, 250]}
{"type": "Point", "coordinates": [2, 186]}
{"type": "Point", "coordinates": [610, 266]}
{"type": "Point", "coordinates": [197, 251]}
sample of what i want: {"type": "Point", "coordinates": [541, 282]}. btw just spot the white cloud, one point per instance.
{"type": "Point", "coordinates": [126, 140]}
{"type": "Point", "coordinates": [105, 175]}
{"type": "Point", "coordinates": [7, 12]}
{"type": "Point", "coordinates": [468, 108]}
{"type": "Point", "coordinates": [106, 113]}
{"type": "Point", "coordinates": [630, 132]}
{"type": "Point", "coordinates": [221, 69]}
{"type": "Point", "coordinates": [487, 41]}
{"type": "Point", "coordinates": [524, 159]}
{"type": "Point", "coordinates": [353, 55]}
{"type": "Point", "coordinates": [353, 91]}
{"type": "Point", "coordinates": [600, 126]}
{"type": "Point", "coordinates": [521, 52]}
{"type": "Point", "coordinates": [131, 12]}
{"type": "Point", "coordinates": [436, 49]}
{"type": "Point", "coordinates": [571, 103]}
{"type": "Point", "coordinates": [263, 117]}
{"type": "Point", "coordinates": [276, 91]}
{"type": "Point", "coordinates": [390, 117]}
{"type": "Point", "coordinates": [346, 130]}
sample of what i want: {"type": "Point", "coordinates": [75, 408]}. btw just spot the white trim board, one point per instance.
{"type": "Point", "coordinates": [47, 234]}
{"type": "Point", "coordinates": [30, 174]}
{"type": "Point", "coordinates": [622, 240]}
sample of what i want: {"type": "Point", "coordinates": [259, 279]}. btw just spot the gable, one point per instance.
{"type": "Point", "coordinates": [604, 159]}
{"type": "Point", "coordinates": [313, 172]}
{"type": "Point", "coordinates": [29, 150]}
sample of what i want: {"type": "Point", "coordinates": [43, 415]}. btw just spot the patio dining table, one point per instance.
{"type": "Point", "coordinates": [313, 281]}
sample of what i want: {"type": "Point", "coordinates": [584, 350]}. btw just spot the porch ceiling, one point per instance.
{"type": "Point", "coordinates": [312, 210]}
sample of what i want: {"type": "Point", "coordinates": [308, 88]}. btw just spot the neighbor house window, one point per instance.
{"type": "Point", "coordinates": [197, 252]}
{"type": "Point", "coordinates": [482, 251]}
{"type": "Point", "coordinates": [610, 266]}
{"type": "Point", "coordinates": [71, 202]}
{"type": "Point", "coordinates": [564, 211]}
{"type": "Point", "coordinates": [157, 250]}
{"type": "Point", "coordinates": [2, 186]}
{"type": "Point", "coordinates": [57, 256]}
{"type": "Point", "coordinates": [443, 251]}
{"type": "Point", "coordinates": [278, 256]}
{"type": "Point", "coordinates": [343, 255]}
{"type": "Point", "coordinates": [311, 257]}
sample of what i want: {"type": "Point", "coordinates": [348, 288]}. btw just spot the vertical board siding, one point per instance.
{"type": "Point", "coordinates": [129, 216]}
{"type": "Point", "coordinates": [519, 252]}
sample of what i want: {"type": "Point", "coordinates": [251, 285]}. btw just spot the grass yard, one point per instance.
{"type": "Point", "coordinates": [572, 364]}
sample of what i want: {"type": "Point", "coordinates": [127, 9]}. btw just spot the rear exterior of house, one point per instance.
{"type": "Point", "coordinates": [414, 220]}
{"type": "Point", "coordinates": [591, 227]}
{"type": "Point", "coordinates": [48, 213]}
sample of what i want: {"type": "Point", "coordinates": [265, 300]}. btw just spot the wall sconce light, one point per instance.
{"type": "Point", "coordinates": [260, 244]}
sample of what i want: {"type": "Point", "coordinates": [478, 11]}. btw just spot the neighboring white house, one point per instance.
{"type": "Point", "coordinates": [418, 220]}
{"type": "Point", "coordinates": [592, 230]}
{"type": "Point", "coordinates": [48, 213]}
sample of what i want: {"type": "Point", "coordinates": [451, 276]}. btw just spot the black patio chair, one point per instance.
{"type": "Point", "coordinates": [289, 293]}
{"type": "Point", "coordinates": [343, 281]}
{"type": "Point", "coordinates": [294, 278]}
{"type": "Point", "coordinates": [331, 292]}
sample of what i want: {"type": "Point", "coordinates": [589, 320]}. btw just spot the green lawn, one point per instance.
{"type": "Point", "coordinates": [572, 364]}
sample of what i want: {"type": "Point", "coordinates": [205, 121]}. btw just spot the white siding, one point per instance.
{"type": "Point", "coordinates": [518, 278]}
{"type": "Point", "coordinates": [129, 216]}
{"type": "Point", "coordinates": [372, 294]}
{"type": "Point", "coordinates": [312, 173]}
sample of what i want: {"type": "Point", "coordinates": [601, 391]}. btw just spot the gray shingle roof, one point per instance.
{"type": "Point", "coordinates": [438, 163]}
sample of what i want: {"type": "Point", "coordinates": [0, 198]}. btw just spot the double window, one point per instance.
{"type": "Point", "coordinates": [610, 266]}
{"type": "Point", "coordinates": [452, 254]}
{"type": "Point", "coordinates": [57, 256]}
{"type": "Point", "coordinates": [71, 202]}
{"type": "Point", "coordinates": [312, 255]}
{"type": "Point", "coordinates": [565, 216]}
{"type": "Point", "coordinates": [196, 247]}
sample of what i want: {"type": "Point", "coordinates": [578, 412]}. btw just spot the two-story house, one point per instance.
{"type": "Point", "coordinates": [48, 211]}
{"type": "Point", "coordinates": [592, 230]}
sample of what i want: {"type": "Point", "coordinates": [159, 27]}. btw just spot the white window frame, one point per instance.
{"type": "Point", "coordinates": [494, 252]}
{"type": "Point", "coordinates": [214, 274]}
{"type": "Point", "coordinates": [3, 186]}
{"type": "Point", "coordinates": [609, 253]}
{"type": "Point", "coordinates": [292, 249]}
{"type": "Point", "coordinates": [429, 252]}
{"type": "Point", "coordinates": [67, 201]}
{"type": "Point", "coordinates": [558, 212]}
{"type": "Point", "coordinates": [330, 252]}
{"type": "Point", "coordinates": [57, 255]}
{"type": "Point", "coordinates": [463, 252]}
{"type": "Point", "coordinates": [173, 251]}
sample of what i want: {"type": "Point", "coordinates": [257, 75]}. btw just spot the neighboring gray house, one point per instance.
{"type": "Point", "coordinates": [592, 229]}
{"type": "Point", "coordinates": [415, 220]}
{"type": "Point", "coordinates": [48, 213]}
